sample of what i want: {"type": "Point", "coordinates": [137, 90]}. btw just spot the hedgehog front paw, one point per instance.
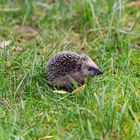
{"type": "Point", "coordinates": [69, 88]}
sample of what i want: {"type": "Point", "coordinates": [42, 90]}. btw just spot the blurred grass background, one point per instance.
{"type": "Point", "coordinates": [31, 31]}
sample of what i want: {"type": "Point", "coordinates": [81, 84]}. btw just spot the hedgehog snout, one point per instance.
{"type": "Point", "coordinates": [94, 71]}
{"type": "Point", "coordinates": [97, 72]}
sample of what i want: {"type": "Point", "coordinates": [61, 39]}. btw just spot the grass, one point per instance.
{"type": "Point", "coordinates": [109, 106]}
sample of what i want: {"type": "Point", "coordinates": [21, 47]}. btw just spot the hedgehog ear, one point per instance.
{"type": "Point", "coordinates": [84, 58]}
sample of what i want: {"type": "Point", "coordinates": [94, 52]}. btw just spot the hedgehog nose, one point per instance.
{"type": "Point", "coordinates": [99, 72]}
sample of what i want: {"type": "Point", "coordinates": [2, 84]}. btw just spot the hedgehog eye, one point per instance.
{"type": "Point", "coordinates": [90, 68]}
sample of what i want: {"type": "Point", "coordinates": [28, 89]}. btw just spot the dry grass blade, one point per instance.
{"type": "Point", "coordinates": [5, 43]}
{"type": "Point", "coordinates": [45, 138]}
{"type": "Point", "coordinates": [9, 9]}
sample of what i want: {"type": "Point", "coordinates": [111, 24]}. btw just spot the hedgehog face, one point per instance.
{"type": "Point", "coordinates": [88, 67]}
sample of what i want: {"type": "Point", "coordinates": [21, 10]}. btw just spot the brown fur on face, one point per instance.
{"type": "Point", "coordinates": [88, 67]}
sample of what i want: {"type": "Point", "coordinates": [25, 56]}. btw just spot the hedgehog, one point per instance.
{"type": "Point", "coordinates": [66, 67]}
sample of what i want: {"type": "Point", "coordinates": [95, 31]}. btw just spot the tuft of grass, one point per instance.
{"type": "Point", "coordinates": [109, 106]}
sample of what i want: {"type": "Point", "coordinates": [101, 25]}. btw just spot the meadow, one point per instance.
{"type": "Point", "coordinates": [109, 106]}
